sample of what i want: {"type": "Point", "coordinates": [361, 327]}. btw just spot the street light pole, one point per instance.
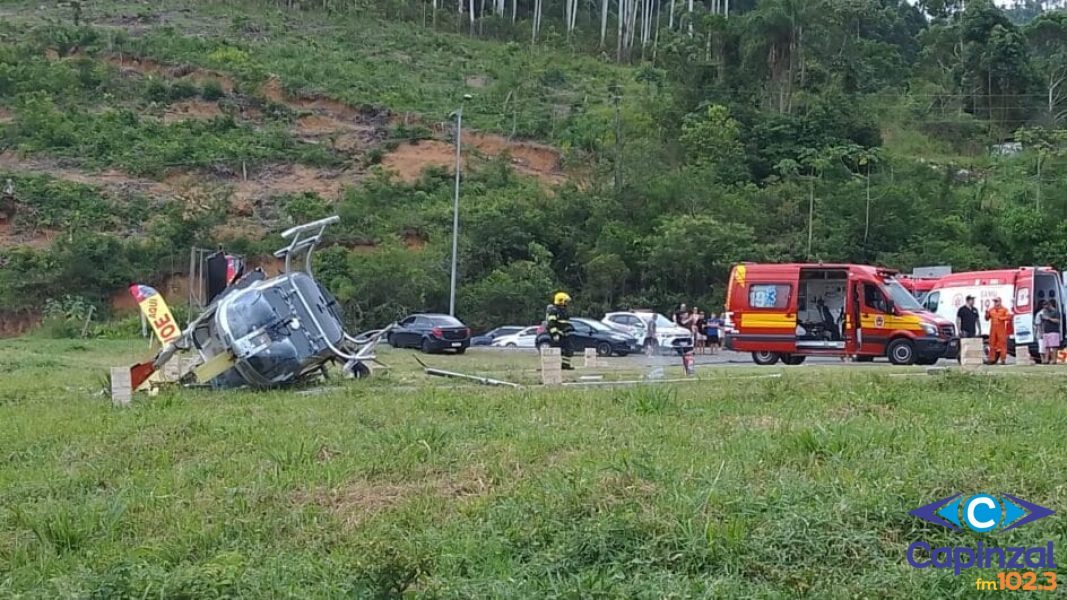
{"type": "Point", "coordinates": [455, 209]}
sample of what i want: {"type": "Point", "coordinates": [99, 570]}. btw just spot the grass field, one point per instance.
{"type": "Point", "coordinates": [404, 485]}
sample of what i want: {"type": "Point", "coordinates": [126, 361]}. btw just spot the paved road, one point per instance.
{"type": "Point", "coordinates": [722, 359]}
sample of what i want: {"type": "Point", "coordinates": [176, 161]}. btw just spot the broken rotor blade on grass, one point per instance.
{"type": "Point", "coordinates": [482, 380]}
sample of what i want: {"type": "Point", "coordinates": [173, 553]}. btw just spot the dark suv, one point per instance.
{"type": "Point", "coordinates": [430, 333]}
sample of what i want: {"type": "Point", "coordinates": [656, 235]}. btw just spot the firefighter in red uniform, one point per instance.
{"type": "Point", "coordinates": [999, 320]}
{"type": "Point", "coordinates": [558, 323]}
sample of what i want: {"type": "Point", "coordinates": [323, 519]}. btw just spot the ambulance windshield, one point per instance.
{"type": "Point", "coordinates": [902, 298]}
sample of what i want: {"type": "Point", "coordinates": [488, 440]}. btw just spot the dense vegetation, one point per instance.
{"type": "Point", "coordinates": [738, 485]}
{"type": "Point", "coordinates": [865, 131]}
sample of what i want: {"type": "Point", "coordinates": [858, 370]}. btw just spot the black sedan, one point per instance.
{"type": "Point", "coordinates": [594, 334]}
{"type": "Point", "coordinates": [430, 333]}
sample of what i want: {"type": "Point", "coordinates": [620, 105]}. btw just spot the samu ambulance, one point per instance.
{"type": "Point", "coordinates": [1021, 291]}
{"type": "Point", "coordinates": [788, 312]}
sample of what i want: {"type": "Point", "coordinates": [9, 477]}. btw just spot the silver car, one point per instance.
{"type": "Point", "coordinates": [669, 336]}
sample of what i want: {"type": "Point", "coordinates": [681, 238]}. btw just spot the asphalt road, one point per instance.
{"type": "Point", "coordinates": [722, 359]}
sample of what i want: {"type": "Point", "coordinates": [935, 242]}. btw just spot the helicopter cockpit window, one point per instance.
{"type": "Point", "coordinates": [255, 310]}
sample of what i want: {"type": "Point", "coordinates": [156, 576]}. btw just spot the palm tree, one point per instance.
{"type": "Point", "coordinates": [776, 34]}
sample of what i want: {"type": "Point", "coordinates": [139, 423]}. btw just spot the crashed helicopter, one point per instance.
{"type": "Point", "coordinates": [256, 331]}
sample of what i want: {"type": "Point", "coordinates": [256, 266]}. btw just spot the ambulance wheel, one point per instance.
{"type": "Point", "coordinates": [603, 349]}
{"type": "Point", "coordinates": [543, 345]}
{"type": "Point", "coordinates": [901, 352]}
{"type": "Point", "coordinates": [765, 358]}
{"type": "Point", "coordinates": [793, 360]}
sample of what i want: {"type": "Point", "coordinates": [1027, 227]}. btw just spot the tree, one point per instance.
{"type": "Point", "coordinates": [690, 253]}
{"type": "Point", "coordinates": [775, 46]}
{"type": "Point", "coordinates": [940, 9]}
{"type": "Point", "coordinates": [713, 142]}
{"type": "Point", "coordinates": [1047, 36]}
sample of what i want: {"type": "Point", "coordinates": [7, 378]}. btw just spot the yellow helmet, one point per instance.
{"type": "Point", "coordinates": [561, 298]}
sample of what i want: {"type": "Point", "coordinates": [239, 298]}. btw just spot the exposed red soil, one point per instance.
{"type": "Point", "coordinates": [294, 179]}
{"type": "Point", "coordinates": [147, 65]}
{"type": "Point", "coordinates": [410, 159]}
{"type": "Point", "coordinates": [191, 110]}
{"type": "Point", "coordinates": [110, 178]}
{"type": "Point", "coordinates": [352, 129]}
{"type": "Point", "coordinates": [18, 323]}
{"type": "Point", "coordinates": [527, 157]}
{"type": "Point", "coordinates": [275, 92]}
{"type": "Point", "coordinates": [347, 128]}
{"type": "Point", "coordinates": [36, 239]}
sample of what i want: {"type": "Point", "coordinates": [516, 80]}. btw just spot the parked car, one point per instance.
{"type": "Point", "coordinates": [430, 333]}
{"type": "Point", "coordinates": [524, 338]}
{"type": "Point", "coordinates": [590, 333]}
{"type": "Point", "coordinates": [487, 338]}
{"type": "Point", "coordinates": [669, 336]}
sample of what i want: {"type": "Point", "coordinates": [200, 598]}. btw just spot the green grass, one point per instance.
{"type": "Point", "coordinates": [531, 91]}
{"type": "Point", "coordinates": [727, 487]}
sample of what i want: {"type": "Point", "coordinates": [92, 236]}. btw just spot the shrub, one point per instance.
{"type": "Point", "coordinates": [65, 317]}
{"type": "Point", "coordinates": [305, 207]}
{"type": "Point", "coordinates": [120, 329]}
{"type": "Point", "coordinates": [412, 133]}
{"type": "Point", "coordinates": [182, 90]}
{"type": "Point", "coordinates": [374, 157]}
{"type": "Point", "coordinates": [155, 90]}
{"type": "Point", "coordinates": [212, 91]}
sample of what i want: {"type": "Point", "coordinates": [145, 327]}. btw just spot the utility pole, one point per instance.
{"type": "Point", "coordinates": [811, 215]}
{"type": "Point", "coordinates": [1039, 181]}
{"type": "Point", "coordinates": [455, 208]}
{"type": "Point", "coordinates": [615, 97]}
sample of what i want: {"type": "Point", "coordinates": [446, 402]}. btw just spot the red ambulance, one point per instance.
{"type": "Point", "coordinates": [788, 312]}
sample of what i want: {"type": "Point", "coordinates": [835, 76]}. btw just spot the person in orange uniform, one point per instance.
{"type": "Point", "coordinates": [999, 320]}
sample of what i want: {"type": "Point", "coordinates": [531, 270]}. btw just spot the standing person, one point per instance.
{"type": "Point", "coordinates": [967, 319]}
{"type": "Point", "coordinates": [651, 339]}
{"type": "Point", "coordinates": [711, 328]}
{"type": "Point", "coordinates": [559, 328]}
{"type": "Point", "coordinates": [999, 320]}
{"type": "Point", "coordinates": [1050, 332]}
{"type": "Point", "coordinates": [1039, 331]}
{"type": "Point", "coordinates": [681, 316]}
{"type": "Point", "coordinates": [697, 325]}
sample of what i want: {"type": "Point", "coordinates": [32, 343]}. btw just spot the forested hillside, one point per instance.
{"type": "Point", "coordinates": [630, 161]}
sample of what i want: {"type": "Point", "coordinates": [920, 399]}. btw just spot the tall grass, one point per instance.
{"type": "Point", "coordinates": [403, 485]}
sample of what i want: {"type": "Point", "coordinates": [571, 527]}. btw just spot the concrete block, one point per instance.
{"type": "Point", "coordinates": [971, 352]}
{"type": "Point", "coordinates": [1023, 358]}
{"type": "Point", "coordinates": [551, 366]}
{"type": "Point", "coordinates": [590, 358]}
{"type": "Point", "coordinates": [121, 386]}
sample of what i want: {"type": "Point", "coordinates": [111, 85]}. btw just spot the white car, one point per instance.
{"type": "Point", "coordinates": [525, 338]}
{"type": "Point", "coordinates": [637, 323]}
